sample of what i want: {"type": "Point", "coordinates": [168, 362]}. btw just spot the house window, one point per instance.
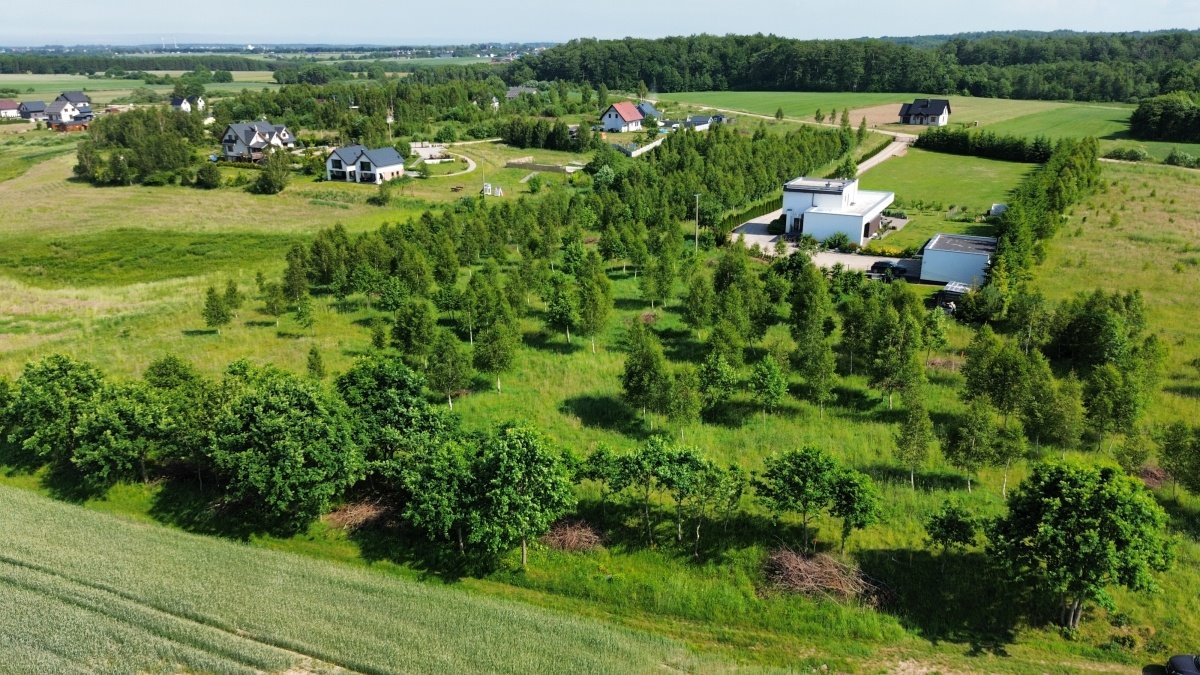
{"type": "Point", "coordinates": [337, 164]}
{"type": "Point", "coordinates": [364, 166]}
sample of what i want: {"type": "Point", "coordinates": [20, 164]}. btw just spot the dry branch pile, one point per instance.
{"type": "Point", "coordinates": [573, 536]}
{"type": "Point", "coordinates": [352, 516]}
{"type": "Point", "coordinates": [820, 575]}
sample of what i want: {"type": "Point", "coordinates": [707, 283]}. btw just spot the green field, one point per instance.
{"type": "Point", "coordinates": [102, 91]}
{"type": "Point", "coordinates": [928, 185]}
{"type": "Point", "coordinates": [81, 590]}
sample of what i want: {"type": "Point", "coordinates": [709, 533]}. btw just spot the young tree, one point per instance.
{"type": "Point", "coordinates": [779, 114]}
{"type": "Point", "coordinates": [799, 481]}
{"type": "Point", "coordinates": [390, 413]}
{"type": "Point", "coordinates": [316, 364]}
{"type": "Point", "coordinates": [595, 298]}
{"type": "Point", "coordinates": [768, 384]}
{"type": "Point", "coordinates": [295, 276]}
{"type": "Point", "coordinates": [862, 131]}
{"type": "Point", "coordinates": [601, 467]}
{"type": "Point", "coordinates": [644, 380]}
{"type": "Point", "coordinates": [275, 174]}
{"type": "Point", "coordinates": [820, 376]}
{"type": "Point", "coordinates": [718, 381]}
{"type": "Point", "coordinates": [681, 475]}
{"type": "Point", "coordinates": [234, 298]}
{"type": "Point", "coordinates": [819, 116]}
{"type": "Point", "coordinates": [1113, 400]}
{"type": "Point", "coordinates": [441, 490]}
{"type": "Point", "coordinates": [274, 300]}
{"type": "Point", "coordinates": [951, 528]}
{"type": "Point", "coordinates": [643, 471]}
{"type": "Point", "coordinates": [915, 436]}
{"type": "Point", "coordinates": [413, 332]}
{"type": "Point", "coordinates": [216, 313]}
{"type": "Point", "coordinates": [305, 318]}
{"type": "Point", "coordinates": [497, 349]}
{"type": "Point", "coordinates": [1179, 454]}
{"type": "Point", "coordinates": [523, 488]}
{"type": "Point", "coordinates": [933, 332]}
{"type": "Point", "coordinates": [701, 302]}
{"type": "Point", "coordinates": [855, 499]}
{"type": "Point", "coordinates": [562, 305]}
{"type": "Point", "coordinates": [685, 400]}
{"type": "Point", "coordinates": [1113, 533]}
{"type": "Point", "coordinates": [972, 443]}
{"type": "Point", "coordinates": [449, 365]}
{"type": "Point", "coordinates": [208, 177]}
{"type": "Point", "coordinates": [283, 446]}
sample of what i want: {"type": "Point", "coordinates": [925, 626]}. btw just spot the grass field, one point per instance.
{"type": "Point", "coordinates": [124, 285]}
{"type": "Point", "coordinates": [82, 590]}
{"type": "Point", "coordinates": [102, 91]}
{"type": "Point", "coordinates": [929, 185]}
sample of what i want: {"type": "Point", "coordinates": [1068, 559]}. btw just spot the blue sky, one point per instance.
{"type": "Point", "coordinates": [466, 21]}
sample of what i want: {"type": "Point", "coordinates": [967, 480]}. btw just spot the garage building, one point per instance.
{"type": "Point", "coordinates": [958, 258]}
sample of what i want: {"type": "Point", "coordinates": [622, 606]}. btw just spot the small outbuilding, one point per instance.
{"type": "Point", "coordinates": [823, 207]}
{"type": "Point", "coordinates": [9, 109]}
{"type": "Point", "coordinates": [933, 112]}
{"type": "Point", "coordinates": [961, 258]}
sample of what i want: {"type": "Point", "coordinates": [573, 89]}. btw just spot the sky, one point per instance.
{"type": "Point", "coordinates": [410, 22]}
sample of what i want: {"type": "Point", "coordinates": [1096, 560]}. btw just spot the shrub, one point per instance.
{"type": "Point", "coordinates": [1128, 154]}
{"type": "Point", "coordinates": [208, 177]}
{"type": "Point", "coordinates": [837, 241]}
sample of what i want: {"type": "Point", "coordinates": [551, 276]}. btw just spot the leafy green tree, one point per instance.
{"type": "Point", "coordinates": [295, 276]}
{"type": "Point", "coordinates": [595, 298]}
{"type": "Point", "coordinates": [862, 131]}
{"type": "Point", "coordinates": [440, 487]}
{"type": "Point", "coordinates": [644, 379]}
{"type": "Point", "coordinates": [1113, 401]}
{"type": "Point", "coordinates": [46, 405]}
{"type": "Point", "coordinates": [855, 499]}
{"type": "Point", "coordinates": [1071, 532]}
{"type": "Point", "coordinates": [895, 343]}
{"type": "Point", "coordinates": [847, 168]}
{"type": "Point", "coordinates": [952, 527]}
{"type": "Point", "coordinates": [601, 467]}
{"type": "Point", "coordinates": [681, 479]}
{"type": "Point", "coordinates": [718, 381]}
{"type": "Point", "coordinates": [283, 446]}
{"type": "Point", "coordinates": [496, 349]}
{"type": "Point", "coordinates": [728, 342]}
{"type": "Point", "coordinates": [797, 481]}
{"type": "Point", "coordinates": [685, 399]}
{"type": "Point", "coordinates": [216, 313]}
{"type": "Point", "coordinates": [1179, 454]}
{"type": "Point", "coordinates": [121, 435]}
{"type": "Point", "coordinates": [413, 332]}
{"type": "Point", "coordinates": [191, 403]}
{"type": "Point", "coordinates": [449, 365]}
{"type": "Point", "coordinates": [700, 304]}
{"type": "Point", "coordinates": [915, 436]}
{"type": "Point", "coordinates": [934, 332]}
{"type": "Point", "coordinates": [643, 471]}
{"type": "Point", "coordinates": [234, 298]}
{"type": "Point", "coordinates": [390, 414]}
{"type": "Point", "coordinates": [820, 373]}
{"type": "Point", "coordinates": [819, 116]}
{"type": "Point", "coordinates": [316, 364]}
{"type": "Point", "coordinates": [208, 177]}
{"type": "Point", "coordinates": [768, 384]}
{"type": "Point", "coordinates": [275, 174]}
{"type": "Point", "coordinates": [779, 114]}
{"type": "Point", "coordinates": [523, 488]}
{"type": "Point", "coordinates": [562, 305]}
{"type": "Point", "coordinates": [971, 445]}
{"type": "Point", "coordinates": [304, 315]}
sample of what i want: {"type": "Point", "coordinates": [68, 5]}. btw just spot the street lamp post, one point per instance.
{"type": "Point", "coordinates": [697, 241]}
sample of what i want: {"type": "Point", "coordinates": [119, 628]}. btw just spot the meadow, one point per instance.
{"type": "Point", "coordinates": [123, 284]}
{"type": "Point", "coordinates": [103, 91]}
{"type": "Point", "coordinates": [90, 591]}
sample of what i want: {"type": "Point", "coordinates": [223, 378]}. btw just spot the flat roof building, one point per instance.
{"type": "Point", "coordinates": [822, 207]}
{"type": "Point", "coordinates": [961, 258]}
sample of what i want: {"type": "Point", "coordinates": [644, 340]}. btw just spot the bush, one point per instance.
{"type": "Point", "coordinates": [276, 173]}
{"type": "Point", "coordinates": [1177, 158]}
{"type": "Point", "coordinates": [1128, 154]}
{"type": "Point", "coordinates": [837, 241]}
{"type": "Point", "coordinates": [208, 177]}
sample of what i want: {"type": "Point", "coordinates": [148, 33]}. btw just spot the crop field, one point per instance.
{"type": "Point", "coordinates": [102, 91]}
{"type": "Point", "coordinates": [78, 587]}
{"type": "Point", "coordinates": [928, 185]}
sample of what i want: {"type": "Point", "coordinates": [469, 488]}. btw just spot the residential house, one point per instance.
{"type": "Point", "coordinates": [81, 101]}
{"type": "Point", "coordinates": [357, 164]}
{"type": "Point", "coordinates": [928, 111]}
{"type": "Point", "coordinates": [516, 92]}
{"type": "Point", "coordinates": [33, 110]}
{"type": "Point", "coordinates": [622, 117]}
{"type": "Point", "coordinates": [247, 141]}
{"type": "Point", "coordinates": [188, 103]}
{"type": "Point", "coordinates": [699, 122]}
{"type": "Point", "coordinates": [960, 258]}
{"type": "Point", "coordinates": [821, 207]}
{"type": "Point", "coordinates": [648, 110]}
{"type": "Point", "coordinates": [61, 111]}
{"type": "Point", "coordinates": [9, 109]}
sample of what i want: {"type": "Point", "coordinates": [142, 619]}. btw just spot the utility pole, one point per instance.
{"type": "Point", "coordinates": [697, 241]}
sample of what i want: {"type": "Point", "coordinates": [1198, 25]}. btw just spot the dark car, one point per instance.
{"type": "Point", "coordinates": [1184, 665]}
{"type": "Point", "coordinates": [886, 268]}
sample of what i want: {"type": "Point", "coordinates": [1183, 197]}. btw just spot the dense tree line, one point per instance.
{"type": "Point", "coordinates": [986, 144]}
{"type": "Point", "coordinates": [1115, 67]}
{"type": "Point", "coordinates": [1173, 117]}
{"type": "Point", "coordinates": [62, 64]}
{"type": "Point", "coordinates": [144, 145]}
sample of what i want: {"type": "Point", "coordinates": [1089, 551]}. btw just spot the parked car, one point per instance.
{"type": "Point", "coordinates": [889, 269]}
{"type": "Point", "coordinates": [1187, 664]}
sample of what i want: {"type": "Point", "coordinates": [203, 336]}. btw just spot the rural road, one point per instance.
{"type": "Point", "coordinates": [894, 149]}
{"type": "Point", "coordinates": [470, 166]}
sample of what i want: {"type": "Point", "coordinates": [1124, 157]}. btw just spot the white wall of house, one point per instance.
{"type": "Point", "coordinates": [961, 266]}
{"type": "Point", "coordinates": [817, 213]}
{"type": "Point", "coordinates": [354, 172]}
{"type": "Point", "coordinates": [67, 114]}
{"type": "Point", "coordinates": [821, 226]}
{"type": "Point", "coordinates": [612, 121]}
{"type": "Point", "coordinates": [10, 114]}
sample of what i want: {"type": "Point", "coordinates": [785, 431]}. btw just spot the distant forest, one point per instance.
{"type": "Point", "coordinates": [1090, 67]}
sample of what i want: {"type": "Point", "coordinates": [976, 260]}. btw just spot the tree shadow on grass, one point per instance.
{"type": "Point", "coordinates": [733, 414]}
{"type": "Point", "coordinates": [553, 342]}
{"type": "Point", "coordinates": [389, 539]}
{"type": "Point", "coordinates": [631, 305]}
{"type": "Point", "coordinates": [65, 483]}
{"type": "Point", "coordinates": [604, 412]}
{"type": "Point", "coordinates": [927, 481]}
{"type": "Point", "coordinates": [853, 400]}
{"type": "Point", "coordinates": [183, 503]}
{"type": "Point", "coordinates": [17, 461]}
{"type": "Point", "coordinates": [949, 598]}
{"type": "Point", "coordinates": [261, 324]}
{"type": "Point", "coordinates": [1184, 518]}
{"type": "Point", "coordinates": [1189, 390]}
{"type": "Point", "coordinates": [197, 332]}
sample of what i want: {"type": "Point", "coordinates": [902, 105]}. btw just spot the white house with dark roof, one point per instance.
{"type": "Point", "coordinates": [517, 92]}
{"type": "Point", "coordinates": [75, 98]}
{"type": "Point", "coordinates": [823, 207]}
{"type": "Point", "coordinates": [622, 117]}
{"type": "Point", "coordinates": [247, 141]}
{"type": "Point", "coordinates": [188, 103]}
{"type": "Point", "coordinates": [61, 111]}
{"type": "Point", "coordinates": [961, 258]}
{"type": "Point", "coordinates": [358, 164]}
{"type": "Point", "coordinates": [928, 111]}
{"type": "Point", "coordinates": [9, 109]}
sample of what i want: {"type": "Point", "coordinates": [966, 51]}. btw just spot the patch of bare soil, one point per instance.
{"type": "Point", "coordinates": [1154, 476]}
{"type": "Point", "coordinates": [877, 116]}
{"type": "Point", "coordinates": [352, 516]}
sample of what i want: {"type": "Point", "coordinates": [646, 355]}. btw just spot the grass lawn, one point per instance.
{"type": "Point", "coordinates": [928, 185]}
{"type": "Point", "coordinates": [103, 91]}
{"type": "Point", "coordinates": [795, 104]}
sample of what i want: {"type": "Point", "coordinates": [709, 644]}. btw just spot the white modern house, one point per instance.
{"type": "Point", "coordinates": [247, 141]}
{"type": "Point", "coordinates": [188, 104]}
{"type": "Point", "coordinates": [622, 117]}
{"type": "Point", "coordinates": [961, 258]}
{"type": "Point", "coordinates": [357, 164]}
{"type": "Point", "coordinates": [822, 207]}
{"type": "Point", "coordinates": [928, 111]}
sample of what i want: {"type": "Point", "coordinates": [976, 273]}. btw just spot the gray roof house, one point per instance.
{"type": "Point", "coordinates": [61, 111]}
{"type": "Point", "coordinates": [648, 110]}
{"type": "Point", "coordinates": [929, 111]}
{"type": "Point", "coordinates": [33, 110]}
{"type": "Point", "coordinates": [75, 98]}
{"type": "Point", "coordinates": [359, 164]}
{"type": "Point", "coordinates": [247, 141]}
{"type": "Point", "coordinates": [515, 92]}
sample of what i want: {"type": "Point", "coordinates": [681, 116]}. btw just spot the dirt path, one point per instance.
{"type": "Point", "coordinates": [471, 166]}
{"type": "Point", "coordinates": [896, 148]}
